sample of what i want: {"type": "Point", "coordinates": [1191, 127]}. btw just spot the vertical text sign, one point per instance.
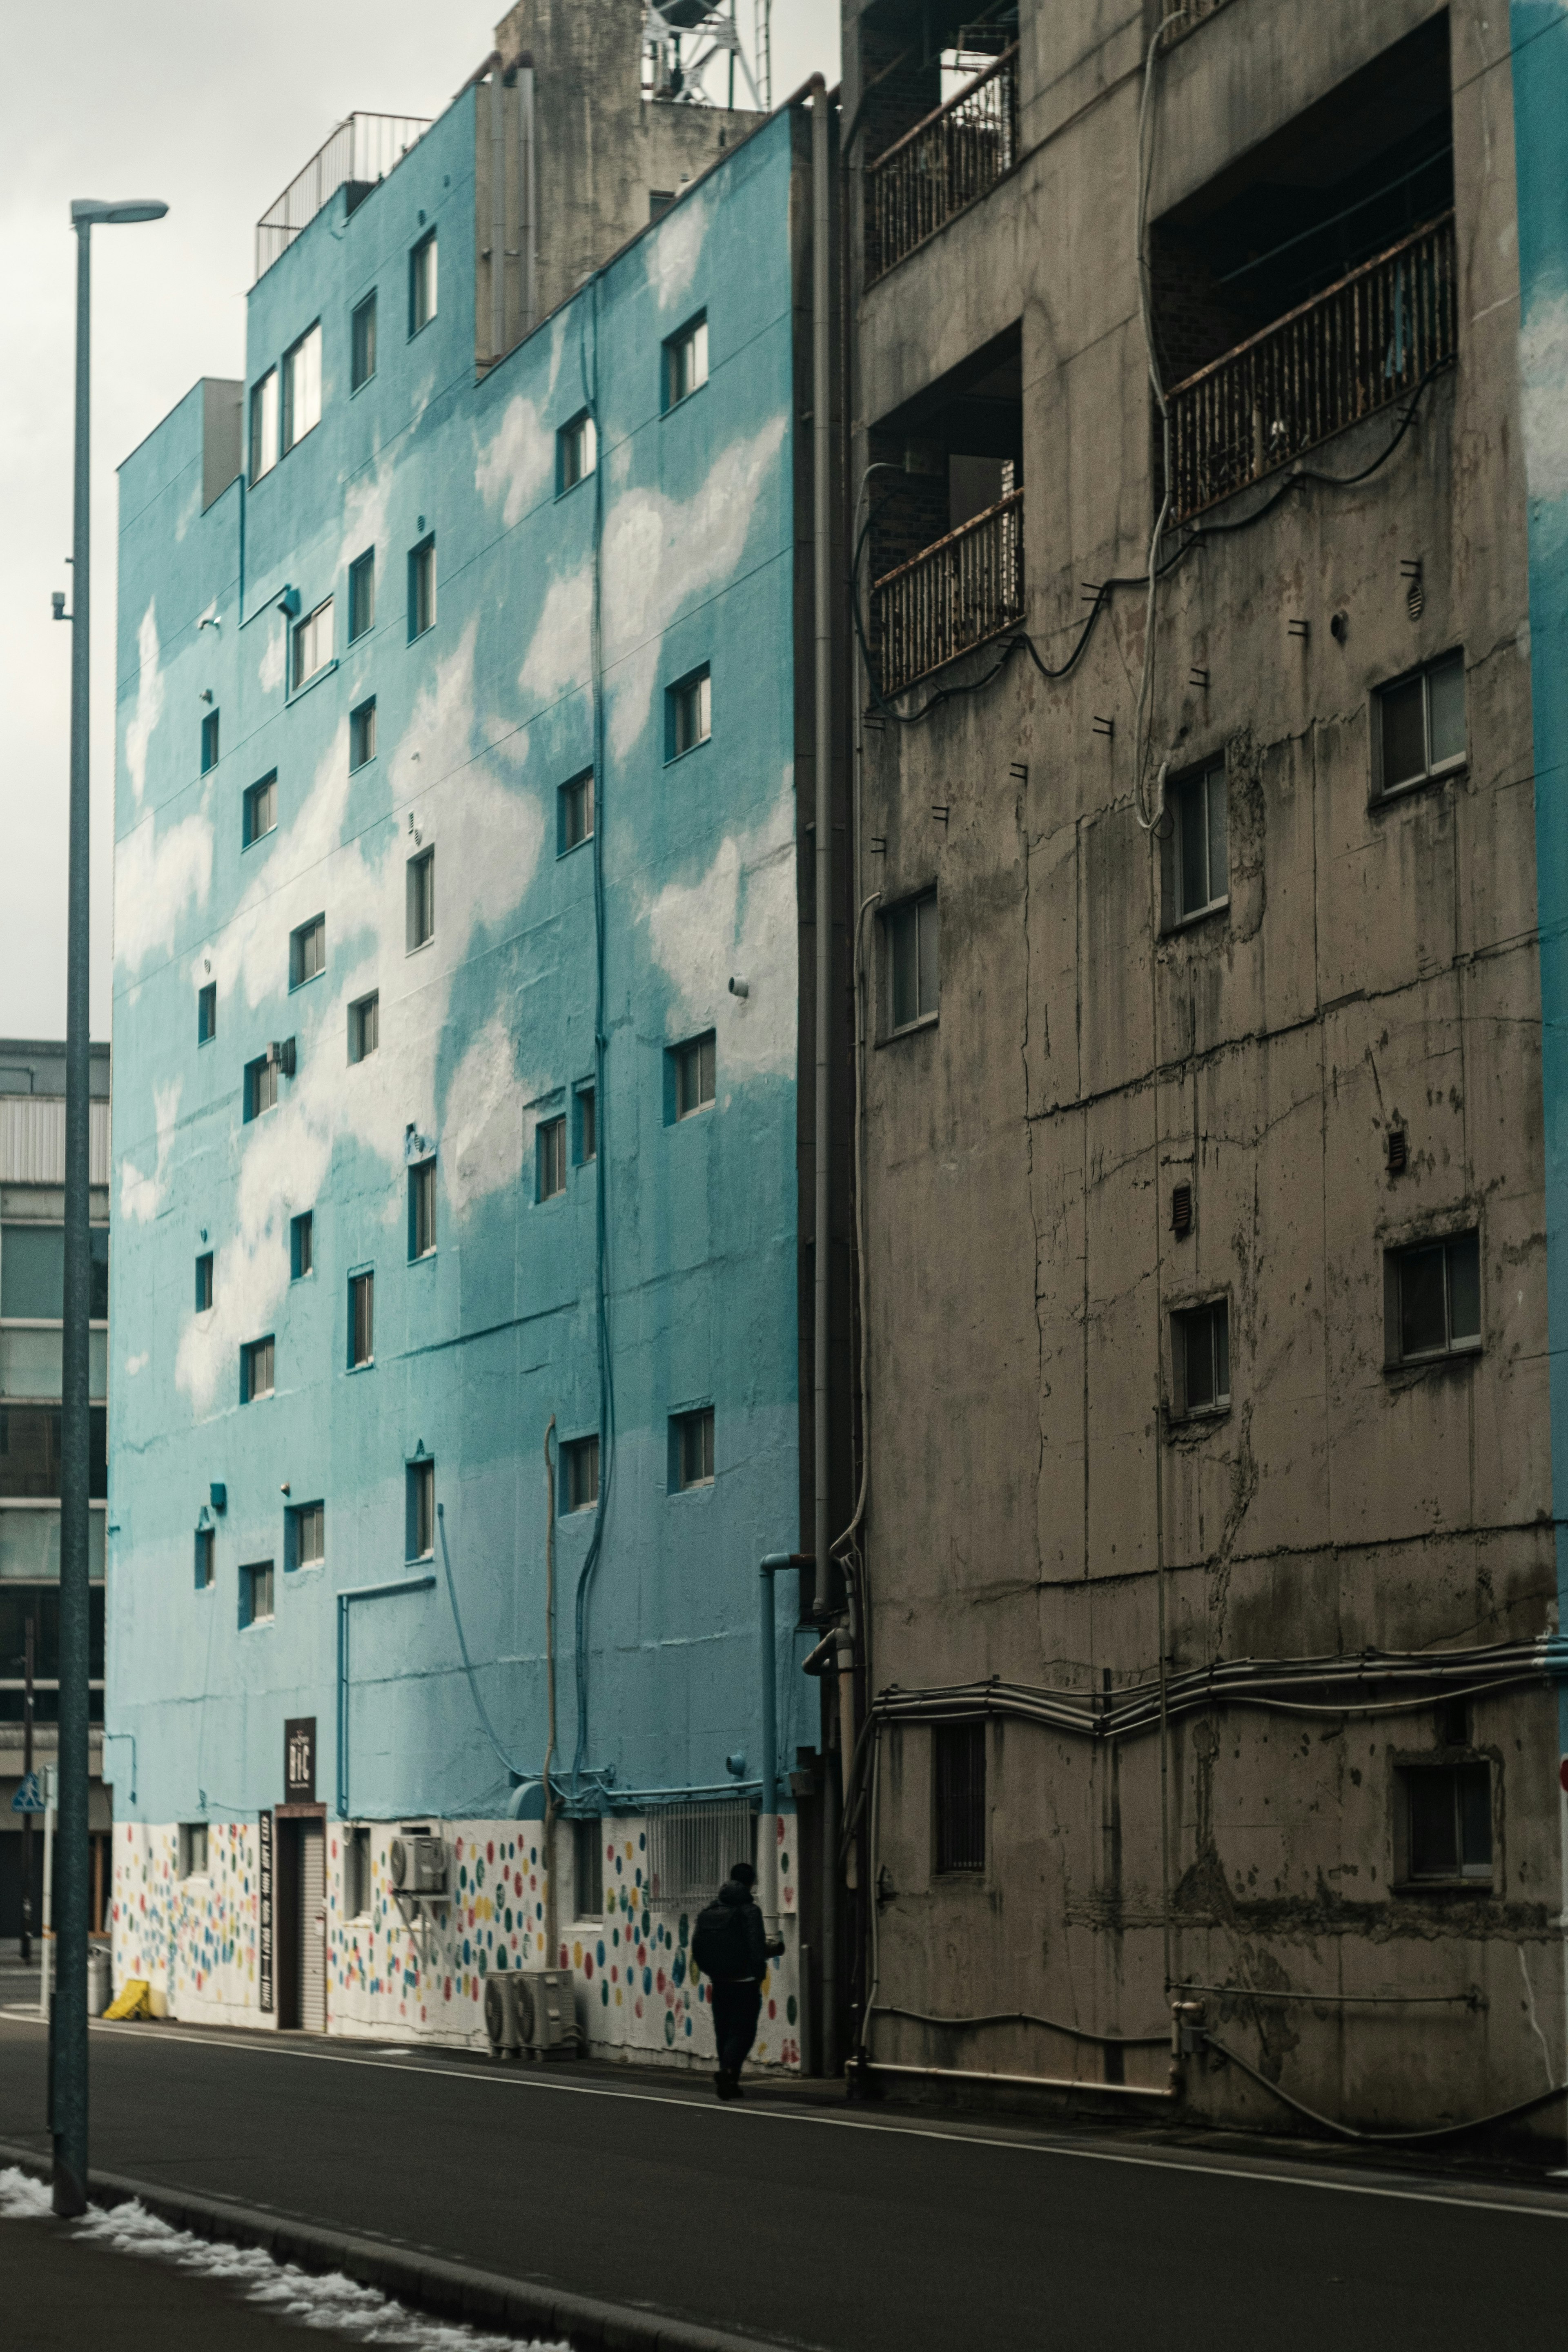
{"type": "Point", "coordinates": [264, 1954]}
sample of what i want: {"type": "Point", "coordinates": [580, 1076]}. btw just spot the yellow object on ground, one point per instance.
{"type": "Point", "coordinates": [135, 1999]}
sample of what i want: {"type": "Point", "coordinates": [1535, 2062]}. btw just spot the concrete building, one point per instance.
{"type": "Point", "coordinates": [464, 1177]}
{"type": "Point", "coordinates": [32, 1281]}
{"type": "Point", "coordinates": [1208, 482]}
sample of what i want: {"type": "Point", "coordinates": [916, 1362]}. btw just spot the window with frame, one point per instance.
{"type": "Point", "coordinates": [302, 387]}
{"type": "Point", "coordinates": [1198, 872]}
{"type": "Point", "coordinates": [576, 452]}
{"type": "Point", "coordinates": [256, 1594]}
{"type": "Point", "coordinates": [301, 1245]}
{"type": "Point", "coordinates": [914, 969]}
{"type": "Point", "coordinates": [192, 1850]}
{"type": "Point", "coordinates": [307, 1535]}
{"type": "Point", "coordinates": [362, 1320]}
{"type": "Point", "coordinates": [365, 1026]}
{"type": "Point", "coordinates": [958, 1792]}
{"type": "Point", "coordinates": [686, 361]}
{"type": "Point", "coordinates": [580, 1474]}
{"type": "Point", "coordinates": [308, 952]}
{"type": "Point", "coordinates": [206, 1013]}
{"type": "Point", "coordinates": [695, 1073]}
{"type": "Point", "coordinates": [422, 283]}
{"type": "Point", "coordinates": [357, 1876]}
{"type": "Point", "coordinates": [361, 734]}
{"type": "Point", "coordinates": [587, 1870]}
{"type": "Point", "coordinates": [209, 741]}
{"type": "Point", "coordinates": [587, 1127]}
{"type": "Point", "coordinates": [421, 1509]}
{"type": "Point", "coordinates": [256, 1367]}
{"type": "Point", "coordinates": [422, 1209]}
{"type": "Point", "coordinates": [313, 644]}
{"type": "Point", "coordinates": [260, 810]}
{"type": "Point", "coordinates": [260, 1086]}
{"type": "Point", "coordinates": [361, 595]}
{"type": "Point", "coordinates": [1421, 725]}
{"type": "Point", "coordinates": [1200, 1357]}
{"type": "Point", "coordinates": [421, 899]}
{"type": "Point", "coordinates": [361, 343]}
{"type": "Point", "coordinates": [693, 1449]}
{"type": "Point", "coordinates": [1434, 1299]}
{"type": "Point", "coordinates": [207, 1567]}
{"type": "Point", "coordinates": [576, 822]}
{"type": "Point", "coordinates": [1447, 1824]}
{"type": "Point", "coordinates": [264, 425]}
{"type": "Point", "coordinates": [552, 1133]}
{"type": "Point", "coordinates": [689, 713]}
{"type": "Point", "coordinates": [31, 1458]}
{"type": "Point", "coordinates": [33, 1273]}
{"type": "Point", "coordinates": [205, 1283]}
{"type": "Point", "coordinates": [421, 588]}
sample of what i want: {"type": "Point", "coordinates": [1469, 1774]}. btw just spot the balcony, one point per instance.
{"type": "Point", "coordinates": [966, 588]}
{"type": "Point", "coordinates": [1355, 348]}
{"type": "Point", "coordinates": [942, 167]}
{"type": "Point", "coordinates": [360, 151]}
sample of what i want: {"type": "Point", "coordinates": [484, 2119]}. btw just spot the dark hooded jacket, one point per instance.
{"type": "Point", "coordinates": [739, 1898]}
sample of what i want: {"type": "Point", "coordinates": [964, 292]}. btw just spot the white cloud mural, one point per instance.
{"type": "Point", "coordinates": [149, 702]}
{"type": "Point", "coordinates": [738, 921]}
{"type": "Point", "coordinates": [142, 1196]}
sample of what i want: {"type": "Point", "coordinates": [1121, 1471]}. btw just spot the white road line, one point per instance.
{"type": "Point", "coordinates": [1148, 2160]}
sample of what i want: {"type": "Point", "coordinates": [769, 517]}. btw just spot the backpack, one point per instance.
{"type": "Point", "coordinates": [720, 1944]}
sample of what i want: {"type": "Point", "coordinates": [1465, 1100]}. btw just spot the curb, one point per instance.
{"type": "Point", "coordinates": [452, 2290]}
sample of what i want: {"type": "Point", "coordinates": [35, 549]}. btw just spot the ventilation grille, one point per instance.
{"type": "Point", "coordinates": [692, 1850]}
{"type": "Point", "coordinates": [1182, 1210]}
{"type": "Point", "coordinates": [1398, 1151]}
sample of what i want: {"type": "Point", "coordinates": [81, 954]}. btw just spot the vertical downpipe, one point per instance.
{"type": "Point", "coordinates": [498, 212]}
{"type": "Point", "coordinates": [528, 200]}
{"type": "Point", "coordinates": [550, 1946]}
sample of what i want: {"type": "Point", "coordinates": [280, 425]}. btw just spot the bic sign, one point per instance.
{"type": "Point", "coordinates": [300, 1760]}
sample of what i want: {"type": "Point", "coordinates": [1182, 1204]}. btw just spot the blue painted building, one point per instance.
{"type": "Point", "coordinates": [458, 957]}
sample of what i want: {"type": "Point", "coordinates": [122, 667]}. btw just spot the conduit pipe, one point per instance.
{"type": "Point", "coordinates": [821, 502]}
{"type": "Point", "coordinates": [768, 1826]}
{"type": "Point", "coordinates": [550, 1809]}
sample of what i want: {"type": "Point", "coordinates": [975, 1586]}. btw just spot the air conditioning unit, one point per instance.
{"type": "Point", "coordinates": [419, 1864]}
{"type": "Point", "coordinates": [280, 1052]}
{"type": "Point", "coordinates": [547, 2013]}
{"type": "Point", "coordinates": [503, 2019]}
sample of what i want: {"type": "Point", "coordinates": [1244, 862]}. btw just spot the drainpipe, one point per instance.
{"type": "Point", "coordinates": [768, 1826]}
{"type": "Point", "coordinates": [822, 457]}
{"type": "Point", "coordinates": [550, 1946]}
{"type": "Point", "coordinates": [360, 1592]}
{"type": "Point", "coordinates": [528, 197]}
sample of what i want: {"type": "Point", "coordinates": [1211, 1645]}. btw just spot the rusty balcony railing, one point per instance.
{"type": "Point", "coordinates": [968, 587]}
{"type": "Point", "coordinates": [363, 147]}
{"type": "Point", "coordinates": [942, 167]}
{"type": "Point", "coordinates": [1346, 353]}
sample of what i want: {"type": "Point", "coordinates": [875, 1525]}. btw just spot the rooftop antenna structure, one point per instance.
{"type": "Point", "coordinates": [762, 53]}
{"type": "Point", "coordinates": [682, 39]}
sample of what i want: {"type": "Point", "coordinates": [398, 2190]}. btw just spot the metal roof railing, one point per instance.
{"type": "Point", "coordinates": [361, 150]}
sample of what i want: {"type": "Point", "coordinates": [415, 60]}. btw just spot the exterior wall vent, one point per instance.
{"type": "Point", "coordinates": [1398, 1151]}
{"type": "Point", "coordinates": [1182, 1210]}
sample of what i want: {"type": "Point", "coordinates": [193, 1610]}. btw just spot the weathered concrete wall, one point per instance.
{"type": "Point", "coordinates": [1376, 967]}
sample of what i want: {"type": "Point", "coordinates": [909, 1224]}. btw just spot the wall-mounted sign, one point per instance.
{"type": "Point", "coordinates": [300, 1760]}
{"type": "Point", "coordinates": [264, 1891]}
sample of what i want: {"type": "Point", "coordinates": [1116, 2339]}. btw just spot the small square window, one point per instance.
{"type": "Point", "coordinates": [361, 595]}
{"type": "Point", "coordinates": [362, 341]}
{"type": "Point", "coordinates": [1434, 1299]}
{"type": "Point", "coordinates": [302, 387]}
{"type": "Point", "coordinates": [421, 899]}
{"type": "Point", "coordinates": [260, 816]}
{"type": "Point", "coordinates": [422, 1209]}
{"type": "Point", "coordinates": [361, 734]}
{"type": "Point", "coordinates": [264, 425]}
{"type": "Point", "coordinates": [209, 741]}
{"type": "Point", "coordinates": [422, 283]}
{"type": "Point", "coordinates": [577, 452]}
{"type": "Point", "coordinates": [958, 1765]}
{"type": "Point", "coordinates": [693, 1449]}
{"type": "Point", "coordinates": [421, 589]}
{"type": "Point", "coordinates": [205, 1283]}
{"type": "Point", "coordinates": [1420, 728]}
{"type": "Point", "coordinates": [206, 1013]}
{"type": "Point", "coordinates": [689, 714]}
{"type": "Point", "coordinates": [587, 1870]}
{"type": "Point", "coordinates": [302, 1246]}
{"type": "Point", "coordinates": [361, 1319]}
{"type": "Point", "coordinates": [912, 940]}
{"type": "Point", "coordinates": [686, 361]}
{"type": "Point", "coordinates": [207, 1569]}
{"type": "Point", "coordinates": [260, 1086]}
{"type": "Point", "coordinates": [256, 1594]}
{"type": "Point", "coordinates": [1196, 854]}
{"type": "Point", "coordinates": [694, 1076]}
{"type": "Point", "coordinates": [312, 646]}
{"type": "Point", "coordinates": [587, 1127]}
{"type": "Point", "coordinates": [307, 1536]}
{"type": "Point", "coordinates": [551, 1158]}
{"type": "Point", "coordinates": [421, 1535]}
{"type": "Point", "coordinates": [193, 1856]}
{"type": "Point", "coordinates": [256, 1370]}
{"type": "Point", "coordinates": [576, 813]}
{"type": "Point", "coordinates": [365, 1026]}
{"type": "Point", "coordinates": [1447, 1822]}
{"type": "Point", "coordinates": [1200, 1350]}
{"type": "Point", "coordinates": [580, 1474]}
{"type": "Point", "coordinates": [308, 952]}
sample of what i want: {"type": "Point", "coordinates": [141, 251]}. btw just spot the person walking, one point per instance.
{"type": "Point", "coordinates": [733, 1949]}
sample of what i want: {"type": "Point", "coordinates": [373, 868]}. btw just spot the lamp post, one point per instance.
{"type": "Point", "coordinates": [68, 2055]}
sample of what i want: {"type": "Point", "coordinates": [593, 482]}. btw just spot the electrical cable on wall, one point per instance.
{"type": "Point", "coordinates": [518, 1771]}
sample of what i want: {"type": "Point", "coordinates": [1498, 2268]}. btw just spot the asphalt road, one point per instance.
{"type": "Point", "coordinates": [854, 2230]}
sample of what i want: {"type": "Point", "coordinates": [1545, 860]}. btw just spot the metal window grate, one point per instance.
{"type": "Point", "coordinates": [693, 1849]}
{"type": "Point", "coordinates": [959, 1761]}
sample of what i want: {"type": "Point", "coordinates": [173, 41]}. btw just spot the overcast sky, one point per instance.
{"type": "Point", "coordinates": [214, 108]}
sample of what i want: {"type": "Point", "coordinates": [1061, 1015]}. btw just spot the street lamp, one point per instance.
{"type": "Point", "coordinates": [67, 2011]}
